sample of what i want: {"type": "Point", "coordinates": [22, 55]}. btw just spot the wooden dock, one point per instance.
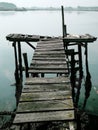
{"type": "Point", "coordinates": [47, 92]}
{"type": "Point", "coordinates": [46, 98]}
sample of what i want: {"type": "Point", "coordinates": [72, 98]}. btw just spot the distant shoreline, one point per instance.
{"type": "Point", "coordinates": [47, 9]}
{"type": "Point", "coordinates": [5, 6]}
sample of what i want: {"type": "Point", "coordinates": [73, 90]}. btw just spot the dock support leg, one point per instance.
{"type": "Point", "coordinates": [80, 60]}
{"type": "Point", "coordinates": [16, 63]}
{"type": "Point", "coordinates": [20, 61]}
{"type": "Point", "coordinates": [73, 73]}
{"type": "Point", "coordinates": [73, 76]}
{"type": "Point", "coordinates": [26, 64]}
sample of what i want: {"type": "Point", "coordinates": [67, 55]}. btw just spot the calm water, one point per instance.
{"type": "Point", "coordinates": [44, 23]}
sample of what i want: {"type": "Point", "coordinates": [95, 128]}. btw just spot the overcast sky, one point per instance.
{"type": "Point", "coordinates": [53, 3]}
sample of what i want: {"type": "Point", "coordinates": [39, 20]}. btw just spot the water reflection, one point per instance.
{"type": "Point", "coordinates": [88, 82]}
{"type": "Point", "coordinates": [7, 13]}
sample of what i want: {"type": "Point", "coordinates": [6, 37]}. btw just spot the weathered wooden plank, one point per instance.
{"type": "Point", "coordinates": [49, 67]}
{"type": "Point", "coordinates": [42, 96]}
{"type": "Point", "coordinates": [46, 88]}
{"type": "Point", "coordinates": [55, 80]}
{"type": "Point", "coordinates": [52, 41]}
{"type": "Point", "coordinates": [50, 45]}
{"type": "Point", "coordinates": [48, 62]}
{"type": "Point", "coordinates": [52, 71]}
{"type": "Point", "coordinates": [49, 49]}
{"type": "Point", "coordinates": [46, 55]}
{"type": "Point", "coordinates": [48, 58]}
{"type": "Point", "coordinates": [79, 38]}
{"type": "Point", "coordinates": [26, 37]}
{"type": "Point", "coordinates": [50, 53]}
{"type": "Point", "coordinates": [55, 42]}
{"type": "Point", "coordinates": [44, 116]}
{"type": "Point", "coordinates": [38, 106]}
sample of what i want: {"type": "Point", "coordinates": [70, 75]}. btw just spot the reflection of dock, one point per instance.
{"type": "Point", "coordinates": [48, 98]}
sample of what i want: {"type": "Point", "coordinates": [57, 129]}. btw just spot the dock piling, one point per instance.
{"type": "Point", "coordinates": [26, 64]}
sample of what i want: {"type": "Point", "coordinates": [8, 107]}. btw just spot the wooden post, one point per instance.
{"type": "Point", "coordinates": [72, 78]}
{"type": "Point", "coordinates": [80, 60]}
{"type": "Point", "coordinates": [26, 64]}
{"type": "Point", "coordinates": [16, 63]}
{"type": "Point", "coordinates": [20, 60]}
{"type": "Point", "coordinates": [73, 73]}
{"type": "Point", "coordinates": [63, 25]}
{"type": "Point", "coordinates": [88, 82]}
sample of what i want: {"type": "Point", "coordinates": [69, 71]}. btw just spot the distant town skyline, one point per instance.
{"type": "Point", "coordinates": [52, 3]}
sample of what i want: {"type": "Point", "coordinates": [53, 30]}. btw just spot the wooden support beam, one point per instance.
{"type": "Point", "coordinates": [26, 64]}
{"type": "Point", "coordinates": [80, 60]}
{"type": "Point", "coordinates": [30, 45]}
{"type": "Point", "coordinates": [16, 63]}
{"type": "Point", "coordinates": [20, 61]}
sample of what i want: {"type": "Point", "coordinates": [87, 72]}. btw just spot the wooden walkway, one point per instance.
{"type": "Point", "coordinates": [46, 98]}
{"type": "Point", "coordinates": [47, 93]}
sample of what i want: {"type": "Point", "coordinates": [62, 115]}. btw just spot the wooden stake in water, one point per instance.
{"type": "Point", "coordinates": [63, 23]}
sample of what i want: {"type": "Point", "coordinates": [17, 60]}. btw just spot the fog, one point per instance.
{"type": "Point", "coordinates": [52, 3]}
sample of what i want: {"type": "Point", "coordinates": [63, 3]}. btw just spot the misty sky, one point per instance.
{"type": "Point", "coordinates": [53, 3]}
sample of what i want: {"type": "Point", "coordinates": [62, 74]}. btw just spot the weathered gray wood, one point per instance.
{"type": "Point", "coordinates": [51, 52]}
{"type": "Point", "coordinates": [55, 80]}
{"type": "Point", "coordinates": [26, 37]}
{"type": "Point", "coordinates": [42, 96]}
{"type": "Point", "coordinates": [79, 38]}
{"type": "Point", "coordinates": [46, 88]}
{"type": "Point", "coordinates": [49, 49]}
{"type": "Point", "coordinates": [44, 116]}
{"type": "Point", "coordinates": [48, 58]}
{"type": "Point", "coordinates": [45, 99]}
{"type": "Point", "coordinates": [51, 41]}
{"type": "Point", "coordinates": [49, 67]}
{"type": "Point", "coordinates": [48, 62]}
{"type": "Point", "coordinates": [49, 46]}
{"type": "Point", "coordinates": [46, 55]}
{"type": "Point", "coordinates": [38, 106]}
{"type": "Point", "coordinates": [52, 71]}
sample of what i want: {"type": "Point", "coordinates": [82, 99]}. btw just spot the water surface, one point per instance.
{"type": "Point", "coordinates": [44, 23]}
